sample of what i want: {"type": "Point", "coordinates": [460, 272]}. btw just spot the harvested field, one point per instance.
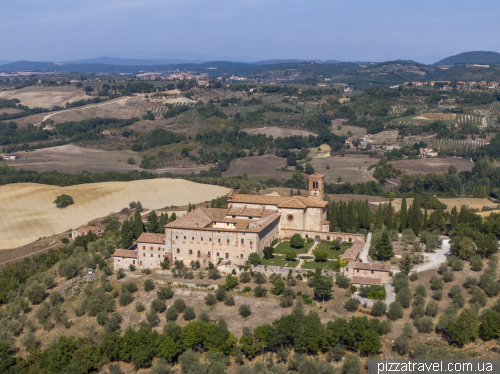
{"type": "Point", "coordinates": [438, 116]}
{"type": "Point", "coordinates": [28, 211]}
{"type": "Point", "coordinates": [45, 97]}
{"type": "Point", "coordinates": [72, 159]}
{"type": "Point", "coordinates": [259, 166]}
{"type": "Point", "coordinates": [352, 168]}
{"type": "Point", "coordinates": [357, 132]}
{"type": "Point", "coordinates": [471, 202]}
{"type": "Point", "coordinates": [322, 151]}
{"type": "Point", "coordinates": [432, 165]}
{"type": "Point", "coordinates": [277, 132]}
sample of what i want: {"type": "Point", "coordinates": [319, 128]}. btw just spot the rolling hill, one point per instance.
{"type": "Point", "coordinates": [476, 57]}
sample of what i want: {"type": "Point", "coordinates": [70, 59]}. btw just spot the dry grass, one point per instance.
{"type": "Point", "coordinates": [32, 213]}
{"type": "Point", "coordinates": [278, 131]}
{"type": "Point", "coordinates": [259, 166]}
{"type": "Point", "coordinates": [352, 168]}
{"type": "Point", "coordinates": [45, 97]}
{"type": "Point", "coordinates": [357, 132]}
{"type": "Point", "coordinates": [432, 165]}
{"type": "Point", "coordinates": [438, 116]}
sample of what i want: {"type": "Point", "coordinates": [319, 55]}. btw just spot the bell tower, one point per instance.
{"type": "Point", "coordinates": [317, 186]}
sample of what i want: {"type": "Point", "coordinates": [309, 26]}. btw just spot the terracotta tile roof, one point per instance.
{"type": "Point", "coordinates": [242, 224]}
{"type": "Point", "coordinates": [147, 237]}
{"type": "Point", "coordinates": [370, 266]}
{"type": "Point", "coordinates": [198, 218]}
{"type": "Point", "coordinates": [317, 175]}
{"type": "Point", "coordinates": [280, 201]}
{"type": "Point", "coordinates": [125, 253]}
{"type": "Point", "coordinates": [353, 252]}
{"type": "Point", "coordinates": [366, 280]}
{"type": "Point", "coordinates": [245, 211]}
{"type": "Point", "coordinates": [236, 211]}
{"type": "Point", "coordinates": [86, 228]}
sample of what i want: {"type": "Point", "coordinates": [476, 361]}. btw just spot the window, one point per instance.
{"type": "Point", "coordinates": [143, 247]}
{"type": "Point", "coordinates": [350, 240]}
{"type": "Point", "coordinates": [372, 271]}
{"type": "Point", "coordinates": [192, 238]}
{"type": "Point", "coordinates": [234, 216]}
{"type": "Point", "coordinates": [184, 237]}
{"type": "Point", "coordinates": [151, 255]}
{"type": "Point", "coordinates": [289, 217]}
{"type": "Point", "coordinates": [190, 251]}
{"type": "Point", "coordinates": [307, 236]}
{"type": "Point", "coordinates": [176, 237]}
{"type": "Point", "coordinates": [241, 256]}
{"type": "Point", "coordinates": [199, 253]}
{"type": "Point", "coordinates": [143, 255]}
{"type": "Point", "coordinates": [227, 241]}
{"type": "Point", "coordinates": [357, 270]}
{"type": "Point", "coordinates": [201, 239]}
{"type": "Point", "coordinates": [242, 241]}
{"type": "Point", "coordinates": [217, 254]}
{"type": "Point", "coordinates": [250, 217]}
{"type": "Point", "coordinates": [210, 239]}
{"type": "Point", "coordinates": [227, 255]}
{"type": "Point", "coordinates": [251, 242]}
{"type": "Point", "coordinates": [209, 253]}
{"type": "Point", "coordinates": [219, 240]}
{"type": "Point", "coordinates": [151, 248]}
{"type": "Point", "coordinates": [328, 238]}
{"type": "Point", "coordinates": [158, 256]}
{"type": "Point", "coordinates": [158, 249]}
{"type": "Point", "coordinates": [133, 262]}
{"type": "Point", "coordinates": [178, 250]}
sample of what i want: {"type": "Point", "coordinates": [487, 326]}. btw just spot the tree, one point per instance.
{"type": "Point", "coordinates": [220, 294]}
{"type": "Point", "coordinates": [452, 170]}
{"type": "Point", "coordinates": [309, 169]}
{"type": "Point", "coordinates": [149, 285]}
{"type": "Point", "coordinates": [352, 304]}
{"type": "Point", "coordinates": [352, 364]}
{"type": "Point", "coordinates": [245, 277]}
{"type": "Point", "coordinates": [152, 224]}
{"type": "Point", "coordinates": [323, 287]}
{"type": "Point", "coordinates": [259, 278]}
{"type": "Point", "coordinates": [231, 282]}
{"type": "Point", "coordinates": [189, 314]}
{"type": "Point", "coordinates": [245, 310]}
{"type": "Point", "coordinates": [127, 234]}
{"type": "Point", "coordinates": [214, 274]}
{"type": "Point", "coordinates": [384, 246]}
{"type": "Point", "coordinates": [62, 201]}
{"type": "Point", "coordinates": [406, 265]}
{"type": "Point", "coordinates": [403, 215]}
{"type": "Point", "coordinates": [210, 299]}
{"type": "Point", "coordinates": [138, 225]}
{"type": "Point", "coordinates": [289, 255]}
{"type": "Point", "coordinates": [268, 252]}
{"type": "Point", "coordinates": [254, 258]}
{"type": "Point", "coordinates": [395, 311]}
{"type": "Point", "coordinates": [30, 341]}
{"type": "Point", "coordinates": [379, 308]}
{"type": "Point", "coordinates": [296, 241]}
{"type": "Point", "coordinates": [320, 254]}
{"type": "Point", "coordinates": [278, 286]}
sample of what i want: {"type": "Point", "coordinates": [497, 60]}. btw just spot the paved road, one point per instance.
{"type": "Point", "coordinates": [363, 255]}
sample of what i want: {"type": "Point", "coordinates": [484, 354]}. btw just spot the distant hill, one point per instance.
{"type": "Point", "coordinates": [4, 62]}
{"type": "Point", "coordinates": [133, 61]}
{"type": "Point", "coordinates": [477, 57]}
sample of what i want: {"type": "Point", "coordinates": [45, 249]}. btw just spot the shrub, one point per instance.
{"type": "Point", "coordinates": [220, 294]}
{"type": "Point", "coordinates": [431, 309]}
{"type": "Point", "coordinates": [492, 289]}
{"type": "Point", "coordinates": [375, 292]}
{"type": "Point", "coordinates": [125, 298]}
{"type": "Point", "coordinates": [441, 353]}
{"type": "Point", "coordinates": [454, 290]}
{"type": "Point", "coordinates": [417, 311]}
{"type": "Point", "coordinates": [401, 344]}
{"type": "Point", "coordinates": [55, 298]}
{"type": "Point", "coordinates": [459, 300]}
{"type": "Point", "coordinates": [152, 318]}
{"type": "Point", "coordinates": [404, 297]}
{"type": "Point", "coordinates": [245, 277]}
{"type": "Point", "coordinates": [379, 308]}
{"type": "Point", "coordinates": [35, 293]}
{"type": "Point", "coordinates": [470, 282]}
{"type": "Point", "coordinates": [395, 311]}
{"type": "Point", "coordinates": [286, 301]}
{"type": "Point", "coordinates": [448, 276]}
{"type": "Point", "coordinates": [131, 267]}
{"type": "Point", "coordinates": [479, 297]}
{"type": "Point", "coordinates": [120, 274]}
{"type": "Point", "coordinates": [437, 295]}
{"type": "Point", "coordinates": [165, 292]}
{"type": "Point", "coordinates": [352, 304]}
{"type": "Point", "coordinates": [210, 299]}
{"type": "Point", "coordinates": [421, 290]}
{"type": "Point", "coordinates": [442, 268]}
{"type": "Point", "coordinates": [413, 276]}
{"type": "Point", "coordinates": [246, 290]}
{"type": "Point", "coordinates": [158, 305]}
{"type": "Point", "coordinates": [436, 283]}
{"type": "Point", "coordinates": [214, 273]}
{"type": "Point", "coordinates": [130, 287]}
{"type": "Point", "coordinates": [179, 305]}
{"type": "Point", "coordinates": [149, 285]}
{"type": "Point", "coordinates": [352, 364]}
{"type": "Point", "coordinates": [203, 316]}
{"type": "Point", "coordinates": [476, 263]}
{"type": "Point", "coordinates": [260, 291]}
{"type": "Point", "coordinates": [189, 314]}
{"type": "Point", "coordinates": [259, 278]}
{"type": "Point", "coordinates": [171, 314]}
{"type": "Point", "coordinates": [425, 325]}
{"type": "Point", "coordinates": [139, 307]}
{"type": "Point", "coordinates": [296, 241]}
{"type": "Point", "coordinates": [420, 351]}
{"type": "Point", "coordinates": [386, 326]}
{"type": "Point", "coordinates": [231, 282]}
{"type": "Point", "coordinates": [30, 341]}
{"type": "Point", "coordinates": [400, 281]}
{"type": "Point", "coordinates": [245, 310]}
{"type": "Point", "coordinates": [102, 318]}
{"type": "Point", "coordinates": [229, 300]}
{"type": "Point", "coordinates": [408, 330]}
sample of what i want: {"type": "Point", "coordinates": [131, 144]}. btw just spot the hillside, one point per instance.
{"type": "Point", "coordinates": [476, 57]}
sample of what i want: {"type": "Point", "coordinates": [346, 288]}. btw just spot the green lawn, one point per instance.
{"type": "Point", "coordinates": [278, 261]}
{"type": "Point", "coordinates": [285, 246]}
{"type": "Point", "coordinates": [332, 253]}
{"type": "Point", "coordinates": [332, 265]}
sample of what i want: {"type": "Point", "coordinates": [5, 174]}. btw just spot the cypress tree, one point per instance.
{"type": "Point", "coordinates": [425, 224]}
{"type": "Point", "coordinates": [298, 193]}
{"type": "Point", "coordinates": [138, 225]}
{"type": "Point", "coordinates": [454, 217]}
{"type": "Point", "coordinates": [389, 217]}
{"type": "Point", "coordinates": [162, 221]}
{"type": "Point", "coordinates": [367, 216]}
{"type": "Point", "coordinates": [403, 215]}
{"type": "Point", "coordinates": [127, 234]}
{"type": "Point", "coordinates": [378, 218]}
{"type": "Point", "coordinates": [384, 246]}
{"type": "Point", "coordinates": [152, 225]}
{"type": "Point", "coordinates": [417, 216]}
{"type": "Point", "coordinates": [332, 215]}
{"type": "Point", "coordinates": [351, 223]}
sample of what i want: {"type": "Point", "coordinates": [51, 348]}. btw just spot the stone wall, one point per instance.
{"type": "Point", "coordinates": [150, 256]}
{"type": "Point", "coordinates": [123, 262]}
{"type": "Point", "coordinates": [322, 235]}
{"type": "Point", "coordinates": [350, 272]}
{"type": "Point", "coordinates": [268, 270]}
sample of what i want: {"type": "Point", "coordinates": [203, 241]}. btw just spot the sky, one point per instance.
{"type": "Point", "coordinates": [349, 30]}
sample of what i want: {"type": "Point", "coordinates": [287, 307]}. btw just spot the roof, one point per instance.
{"type": "Point", "coordinates": [202, 218]}
{"type": "Point", "coordinates": [147, 237]}
{"type": "Point", "coordinates": [86, 228]}
{"type": "Point", "coordinates": [125, 253]}
{"type": "Point", "coordinates": [245, 211]}
{"type": "Point", "coordinates": [371, 266]}
{"type": "Point", "coordinates": [353, 252]}
{"type": "Point", "coordinates": [300, 202]}
{"type": "Point", "coordinates": [366, 280]}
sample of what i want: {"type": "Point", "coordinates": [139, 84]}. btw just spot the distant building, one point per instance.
{"type": "Point", "coordinates": [428, 152]}
{"type": "Point", "coordinates": [349, 141]}
{"type": "Point", "coordinates": [84, 230]}
{"type": "Point", "coordinates": [10, 157]}
{"type": "Point", "coordinates": [481, 66]}
{"type": "Point", "coordinates": [493, 84]}
{"type": "Point", "coordinates": [321, 84]}
{"type": "Point", "coordinates": [367, 274]}
{"type": "Point", "coordinates": [440, 82]}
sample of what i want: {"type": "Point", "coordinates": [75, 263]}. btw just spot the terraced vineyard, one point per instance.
{"type": "Point", "coordinates": [463, 148]}
{"type": "Point", "coordinates": [495, 108]}
{"type": "Point", "coordinates": [469, 118]}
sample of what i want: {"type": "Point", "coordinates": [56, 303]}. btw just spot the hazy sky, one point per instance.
{"type": "Point", "coordinates": [347, 30]}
